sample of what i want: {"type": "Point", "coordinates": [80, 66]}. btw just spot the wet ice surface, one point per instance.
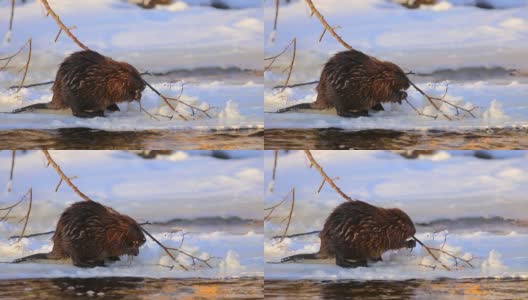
{"type": "Point", "coordinates": [463, 191]}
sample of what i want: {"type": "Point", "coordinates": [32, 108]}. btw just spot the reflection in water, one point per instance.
{"type": "Point", "coordinates": [333, 138]}
{"type": "Point", "coordinates": [410, 289]}
{"type": "Point", "coordinates": [131, 288]}
{"type": "Point", "coordinates": [86, 138]}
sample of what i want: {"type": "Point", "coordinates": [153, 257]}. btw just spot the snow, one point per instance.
{"type": "Point", "coordinates": [182, 185]}
{"type": "Point", "coordinates": [447, 36]}
{"type": "Point", "coordinates": [182, 36]}
{"type": "Point", "coordinates": [238, 256]}
{"type": "Point", "coordinates": [234, 107]}
{"type": "Point", "coordinates": [449, 185]}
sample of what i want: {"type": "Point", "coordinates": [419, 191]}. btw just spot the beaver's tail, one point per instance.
{"type": "Point", "coordinates": [33, 257]}
{"type": "Point", "coordinates": [32, 107]}
{"type": "Point", "coordinates": [300, 257]}
{"type": "Point", "coordinates": [295, 107]}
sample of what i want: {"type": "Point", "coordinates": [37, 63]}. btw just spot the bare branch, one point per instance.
{"type": "Point", "coordinates": [295, 85]}
{"type": "Point", "coordinates": [13, 154]}
{"type": "Point", "coordinates": [10, 208]}
{"type": "Point", "coordinates": [277, 4]}
{"type": "Point", "coordinates": [325, 177]}
{"type": "Point", "coordinates": [289, 215]}
{"type": "Point", "coordinates": [432, 99]}
{"type": "Point", "coordinates": [11, 17]}
{"type": "Point", "coordinates": [275, 158]}
{"type": "Point", "coordinates": [62, 26]}
{"type": "Point", "coordinates": [273, 207]}
{"type": "Point", "coordinates": [26, 68]}
{"type": "Point", "coordinates": [419, 112]}
{"type": "Point", "coordinates": [27, 215]}
{"type": "Point", "coordinates": [30, 85]}
{"type": "Point", "coordinates": [164, 248]}
{"type": "Point", "coordinates": [326, 25]}
{"type": "Point", "coordinates": [296, 234]}
{"type": "Point", "coordinates": [274, 57]}
{"type": "Point", "coordinates": [64, 177]}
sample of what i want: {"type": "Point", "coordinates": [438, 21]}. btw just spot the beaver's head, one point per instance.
{"type": "Point", "coordinates": [134, 239]}
{"type": "Point", "coordinates": [135, 83]}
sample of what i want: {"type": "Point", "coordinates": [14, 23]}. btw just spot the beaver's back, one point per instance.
{"type": "Point", "coordinates": [355, 81]}
{"type": "Point", "coordinates": [358, 230]}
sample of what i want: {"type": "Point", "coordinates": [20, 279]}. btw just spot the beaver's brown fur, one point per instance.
{"type": "Point", "coordinates": [356, 232]}
{"type": "Point", "coordinates": [89, 233]}
{"type": "Point", "coordinates": [354, 82]}
{"type": "Point", "coordinates": [88, 83]}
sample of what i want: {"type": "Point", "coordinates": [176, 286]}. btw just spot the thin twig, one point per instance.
{"type": "Point", "coordinates": [30, 85]}
{"type": "Point", "coordinates": [275, 158]}
{"type": "Point", "coordinates": [194, 258]}
{"type": "Point", "coordinates": [13, 154]}
{"type": "Point", "coordinates": [418, 111]}
{"type": "Point", "coordinates": [27, 215]}
{"type": "Point", "coordinates": [326, 25]}
{"type": "Point", "coordinates": [273, 207]}
{"type": "Point", "coordinates": [62, 26]}
{"type": "Point", "coordinates": [289, 215]}
{"type": "Point", "coordinates": [323, 182]}
{"type": "Point", "coordinates": [64, 177]}
{"type": "Point", "coordinates": [60, 182]}
{"type": "Point", "coordinates": [10, 208]}
{"type": "Point", "coordinates": [26, 68]}
{"type": "Point", "coordinates": [11, 18]}
{"type": "Point", "coordinates": [432, 99]}
{"type": "Point", "coordinates": [295, 85]}
{"type": "Point", "coordinates": [325, 177]}
{"type": "Point", "coordinates": [277, 4]}
{"type": "Point", "coordinates": [292, 62]}
{"type": "Point", "coordinates": [274, 57]}
{"type": "Point", "coordinates": [296, 234]}
{"type": "Point", "coordinates": [164, 248]}
{"type": "Point", "coordinates": [428, 249]}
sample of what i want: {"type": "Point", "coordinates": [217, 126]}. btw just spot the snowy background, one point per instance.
{"type": "Point", "coordinates": [183, 185]}
{"type": "Point", "coordinates": [479, 203]}
{"type": "Point", "coordinates": [479, 51]}
{"type": "Point", "coordinates": [185, 35]}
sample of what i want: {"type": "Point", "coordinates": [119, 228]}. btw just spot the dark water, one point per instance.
{"type": "Point", "coordinates": [333, 138]}
{"type": "Point", "coordinates": [86, 138]}
{"type": "Point", "coordinates": [411, 289]}
{"type": "Point", "coordinates": [131, 288]}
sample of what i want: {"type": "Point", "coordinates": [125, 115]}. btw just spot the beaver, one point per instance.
{"type": "Point", "coordinates": [89, 233]}
{"type": "Point", "coordinates": [356, 232]}
{"type": "Point", "coordinates": [354, 82]}
{"type": "Point", "coordinates": [88, 83]}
